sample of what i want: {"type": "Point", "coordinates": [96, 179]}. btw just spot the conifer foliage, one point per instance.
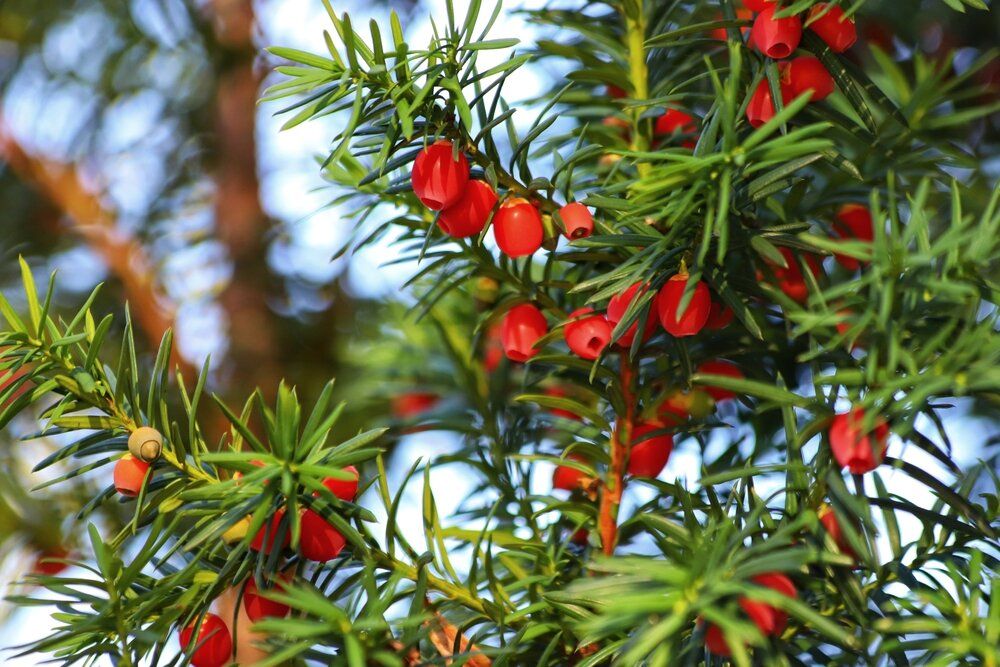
{"type": "Point", "coordinates": [730, 229]}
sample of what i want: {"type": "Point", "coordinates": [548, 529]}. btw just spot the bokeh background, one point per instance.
{"type": "Point", "coordinates": [133, 152]}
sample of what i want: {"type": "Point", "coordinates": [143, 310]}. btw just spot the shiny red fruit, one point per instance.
{"type": "Point", "coordinates": [649, 453]}
{"type": "Point", "coordinates": [522, 326]}
{"type": "Point", "coordinates": [720, 367]}
{"type": "Point", "coordinates": [469, 215]}
{"type": "Point", "coordinates": [853, 448]}
{"type": "Point", "coordinates": [319, 540]}
{"type": "Point", "coordinates": [715, 641]}
{"type": "Point", "coordinates": [719, 316]}
{"type": "Point", "coordinates": [130, 475]}
{"type": "Point", "coordinates": [761, 107]}
{"type": "Point", "coordinates": [807, 74]}
{"type": "Point", "coordinates": [790, 279]}
{"type": "Point", "coordinates": [831, 24]}
{"type": "Point", "coordinates": [517, 227]}
{"type": "Point", "coordinates": [214, 643]}
{"type": "Point", "coordinates": [768, 619]}
{"type": "Point", "coordinates": [567, 478]}
{"type": "Point", "coordinates": [615, 92]}
{"type": "Point", "coordinates": [617, 307]}
{"type": "Point", "coordinates": [577, 220]}
{"type": "Point", "coordinates": [259, 607]}
{"type": "Point", "coordinates": [271, 531]}
{"type": "Point", "coordinates": [493, 348]}
{"type": "Point", "coordinates": [50, 561]}
{"type": "Point", "coordinates": [675, 121]}
{"type": "Point", "coordinates": [439, 178]}
{"type": "Point", "coordinates": [413, 403]}
{"type": "Point", "coordinates": [722, 34]}
{"type": "Point", "coordinates": [692, 319]}
{"type": "Point", "coordinates": [587, 333]}
{"type": "Point", "coordinates": [854, 222]}
{"type": "Point", "coordinates": [345, 489]}
{"type": "Point", "coordinates": [831, 524]}
{"type": "Point", "coordinates": [776, 37]}
{"type": "Point", "coordinates": [758, 5]}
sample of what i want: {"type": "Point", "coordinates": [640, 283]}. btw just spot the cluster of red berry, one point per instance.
{"type": "Point", "coordinates": [441, 180]}
{"type": "Point", "coordinates": [778, 38]}
{"type": "Point", "coordinates": [319, 541]}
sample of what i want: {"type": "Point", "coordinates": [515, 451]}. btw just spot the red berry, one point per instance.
{"type": "Point", "coordinates": [581, 537]}
{"type": "Point", "coordinates": [215, 644]}
{"type": "Point", "coordinates": [722, 34]}
{"type": "Point", "coordinates": [319, 540]}
{"type": "Point", "coordinates": [569, 479]}
{"type": "Point", "coordinates": [617, 306]}
{"type": "Point", "coordinates": [775, 37]}
{"type": "Point", "coordinates": [758, 5]}
{"type": "Point", "coordinates": [857, 450]}
{"type": "Point", "coordinates": [517, 227]}
{"type": "Point", "coordinates": [493, 348]}
{"type": "Point", "coordinates": [439, 179]}
{"type": "Point", "coordinates": [130, 475]}
{"type": "Point", "coordinates": [807, 74]}
{"type": "Point", "coordinates": [577, 220]}
{"type": "Point", "coordinates": [271, 531]}
{"type": "Point", "coordinates": [615, 92]}
{"type": "Point", "coordinates": [768, 619]}
{"type": "Point", "coordinates": [523, 325]}
{"type": "Point", "coordinates": [831, 524]}
{"type": "Point", "coordinates": [719, 316]}
{"type": "Point", "coordinates": [649, 454]}
{"type": "Point", "coordinates": [413, 403]}
{"type": "Point", "coordinates": [720, 367]}
{"type": "Point", "coordinates": [468, 216]}
{"type": "Point", "coordinates": [345, 489]}
{"type": "Point", "coordinates": [678, 406]}
{"type": "Point", "coordinates": [676, 121]}
{"type": "Point", "coordinates": [790, 279]}
{"type": "Point", "coordinates": [258, 607]}
{"type": "Point", "coordinates": [693, 318]}
{"type": "Point", "coordinates": [761, 107]}
{"type": "Point", "coordinates": [715, 641]}
{"type": "Point", "coordinates": [587, 335]}
{"type": "Point", "coordinates": [831, 24]}
{"type": "Point", "coordinates": [854, 221]}
{"type": "Point", "coordinates": [50, 561]}
{"type": "Point", "coordinates": [556, 392]}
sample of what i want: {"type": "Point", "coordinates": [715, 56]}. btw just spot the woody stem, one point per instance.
{"type": "Point", "coordinates": [614, 483]}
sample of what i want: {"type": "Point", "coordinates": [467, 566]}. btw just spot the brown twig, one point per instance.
{"type": "Point", "coordinates": [96, 224]}
{"type": "Point", "coordinates": [614, 484]}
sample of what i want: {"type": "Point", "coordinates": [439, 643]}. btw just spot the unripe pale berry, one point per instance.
{"type": "Point", "coordinates": [130, 475]}
{"type": "Point", "coordinates": [587, 333]}
{"type": "Point", "coordinates": [145, 443]}
{"type": "Point", "coordinates": [522, 326]}
{"type": "Point", "coordinates": [517, 227]}
{"type": "Point", "coordinates": [439, 178]}
{"type": "Point", "coordinates": [469, 215]}
{"type": "Point", "coordinates": [831, 24]}
{"type": "Point", "coordinates": [692, 319]}
{"type": "Point", "coordinates": [854, 448]}
{"type": "Point", "coordinates": [215, 644]}
{"type": "Point", "coordinates": [776, 37]}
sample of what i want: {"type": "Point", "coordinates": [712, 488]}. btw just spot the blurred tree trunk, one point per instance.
{"type": "Point", "coordinates": [253, 358]}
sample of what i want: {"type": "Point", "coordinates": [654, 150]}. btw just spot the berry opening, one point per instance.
{"type": "Point", "coordinates": [779, 51]}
